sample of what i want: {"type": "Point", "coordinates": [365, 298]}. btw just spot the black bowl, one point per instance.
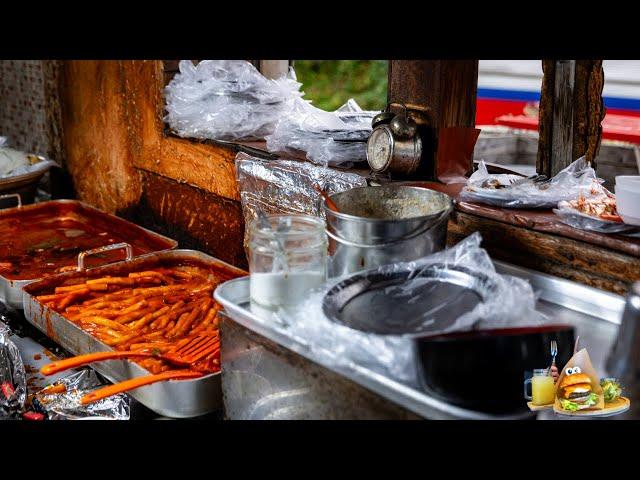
{"type": "Point", "coordinates": [484, 370]}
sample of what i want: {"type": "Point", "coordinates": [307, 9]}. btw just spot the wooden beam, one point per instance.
{"type": "Point", "coordinates": [571, 113]}
{"type": "Point", "coordinates": [562, 129]}
{"type": "Point", "coordinates": [196, 219]}
{"type": "Point", "coordinates": [564, 257]}
{"type": "Point", "coordinates": [447, 87]}
{"type": "Point", "coordinates": [206, 166]}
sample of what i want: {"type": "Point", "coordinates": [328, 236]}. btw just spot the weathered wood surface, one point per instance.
{"type": "Point", "coordinates": [95, 134]}
{"type": "Point", "coordinates": [447, 87]}
{"type": "Point", "coordinates": [543, 221]}
{"type": "Point", "coordinates": [196, 219]}
{"type": "Point", "coordinates": [201, 165]}
{"type": "Point", "coordinates": [553, 254]}
{"type": "Point", "coordinates": [121, 161]}
{"type": "Point", "coordinates": [562, 130]}
{"type": "Point", "coordinates": [581, 115]}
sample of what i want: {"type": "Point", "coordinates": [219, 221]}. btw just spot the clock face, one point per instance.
{"type": "Point", "coordinates": [380, 148]}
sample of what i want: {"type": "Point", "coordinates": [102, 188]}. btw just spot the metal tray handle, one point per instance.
{"type": "Point", "coordinates": [107, 248]}
{"type": "Point", "coordinates": [12, 195]}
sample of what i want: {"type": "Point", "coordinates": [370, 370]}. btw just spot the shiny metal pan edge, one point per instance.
{"type": "Point", "coordinates": [176, 399]}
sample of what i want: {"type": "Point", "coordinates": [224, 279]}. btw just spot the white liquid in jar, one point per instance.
{"type": "Point", "coordinates": [282, 288]}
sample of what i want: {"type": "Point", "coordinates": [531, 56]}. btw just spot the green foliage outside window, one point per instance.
{"type": "Point", "coordinates": [330, 83]}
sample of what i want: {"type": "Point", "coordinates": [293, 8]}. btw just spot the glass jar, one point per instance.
{"type": "Point", "coordinates": [287, 260]}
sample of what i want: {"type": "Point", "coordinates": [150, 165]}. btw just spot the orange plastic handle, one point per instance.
{"type": "Point", "coordinates": [80, 360]}
{"type": "Point", "coordinates": [133, 383]}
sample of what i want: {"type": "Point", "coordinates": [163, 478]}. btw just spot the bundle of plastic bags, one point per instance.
{"type": "Point", "coordinates": [327, 138]}
{"type": "Point", "coordinates": [227, 100]}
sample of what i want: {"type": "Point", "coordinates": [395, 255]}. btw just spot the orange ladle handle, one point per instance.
{"type": "Point", "coordinates": [80, 360]}
{"type": "Point", "coordinates": [137, 382]}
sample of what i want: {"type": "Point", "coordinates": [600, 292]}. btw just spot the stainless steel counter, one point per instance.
{"type": "Point", "coordinates": [269, 374]}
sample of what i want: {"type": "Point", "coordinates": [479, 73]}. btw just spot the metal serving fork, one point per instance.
{"type": "Point", "coordinates": [554, 352]}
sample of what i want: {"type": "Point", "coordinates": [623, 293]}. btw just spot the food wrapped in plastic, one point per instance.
{"type": "Point", "coordinates": [13, 380]}
{"type": "Point", "coordinates": [513, 191]}
{"type": "Point", "coordinates": [227, 100]}
{"type": "Point", "coordinates": [507, 302]}
{"type": "Point", "coordinates": [327, 138]}
{"type": "Point", "coordinates": [576, 219]}
{"type": "Point", "coordinates": [65, 405]}
{"type": "Point", "coordinates": [14, 162]}
{"type": "Point", "coordinates": [286, 186]}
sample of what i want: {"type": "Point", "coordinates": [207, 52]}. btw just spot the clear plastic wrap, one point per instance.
{"type": "Point", "coordinates": [286, 186]}
{"type": "Point", "coordinates": [519, 192]}
{"type": "Point", "coordinates": [14, 162]}
{"type": "Point", "coordinates": [327, 138]}
{"type": "Point", "coordinates": [227, 100]}
{"type": "Point", "coordinates": [66, 405]}
{"type": "Point", "coordinates": [577, 219]}
{"type": "Point", "coordinates": [511, 303]}
{"type": "Point", "coordinates": [13, 378]}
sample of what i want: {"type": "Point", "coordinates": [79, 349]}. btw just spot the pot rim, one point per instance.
{"type": "Point", "coordinates": [354, 218]}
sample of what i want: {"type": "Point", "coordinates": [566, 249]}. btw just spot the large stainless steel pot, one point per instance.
{"type": "Point", "coordinates": [381, 225]}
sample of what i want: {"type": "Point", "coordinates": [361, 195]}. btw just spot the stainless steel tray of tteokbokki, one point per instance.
{"type": "Point", "coordinates": [45, 238]}
{"type": "Point", "coordinates": [125, 305]}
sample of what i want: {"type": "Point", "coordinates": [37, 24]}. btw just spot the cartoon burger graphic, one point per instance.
{"type": "Point", "coordinates": [575, 391]}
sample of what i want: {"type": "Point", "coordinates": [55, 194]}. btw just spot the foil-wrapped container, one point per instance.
{"type": "Point", "coordinates": [61, 401]}
{"type": "Point", "coordinates": [13, 379]}
{"type": "Point", "coordinates": [287, 186]}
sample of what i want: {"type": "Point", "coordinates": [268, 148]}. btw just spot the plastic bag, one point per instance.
{"type": "Point", "coordinates": [327, 138]}
{"type": "Point", "coordinates": [227, 100]}
{"type": "Point", "coordinates": [14, 162]}
{"type": "Point", "coordinates": [519, 192]}
{"type": "Point", "coordinates": [13, 382]}
{"type": "Point", "coordinates": [577, 219]}
{"type": "Point", "coordinates": [4, 142]}
{"type": "Point", "coordinates": [511, 304]}
{"type": "Point", "coordinates": [507, 301]}
{"type": "Point", "coordinates": [66, 405]}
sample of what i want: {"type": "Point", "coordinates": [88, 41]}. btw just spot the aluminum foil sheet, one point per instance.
{"type": "Point", "coordinates": [13, 378]}
{"type": "Point", "coordinates": [286, 186]}
{"type": "Point", "coordinates": [66, 405]}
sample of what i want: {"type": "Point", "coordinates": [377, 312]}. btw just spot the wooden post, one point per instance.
{"type": "Point", "coordinates": [571, 113]}
{"type": "Point", "coordinates": [448, 88]}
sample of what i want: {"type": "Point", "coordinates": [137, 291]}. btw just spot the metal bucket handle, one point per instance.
{"type": "Point", "coordinates": [418, 231]}
{"type": "Point", "coordinates": [107, 248]}
{"type": "Point", "coordinates": [12, 195]}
